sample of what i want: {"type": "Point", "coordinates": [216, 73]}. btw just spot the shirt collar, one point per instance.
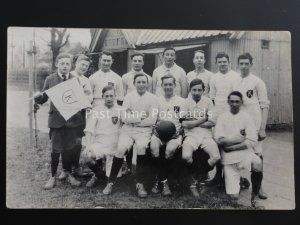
{"type": "Point", "coordinates": [167, 68]}
{"type": "Point", "coordinates": [67, 75]}
{"type": "Point", "coordinates": [135, 72]}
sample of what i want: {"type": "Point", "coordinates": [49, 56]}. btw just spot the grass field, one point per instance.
{"type": "Point", "coordinates": [28, 169]}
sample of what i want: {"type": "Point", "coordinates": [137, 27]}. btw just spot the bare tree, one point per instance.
{"type": "Point", "coordinates": [59, 39]}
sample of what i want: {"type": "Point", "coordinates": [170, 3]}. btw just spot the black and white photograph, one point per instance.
{"type": "Point", "coordinates": [105, 118]}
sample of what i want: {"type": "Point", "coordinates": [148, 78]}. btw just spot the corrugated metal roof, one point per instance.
{"type": "Point", "coordinates": [131, 36]}
{"type": "Point", "coordinates": [159, 36]}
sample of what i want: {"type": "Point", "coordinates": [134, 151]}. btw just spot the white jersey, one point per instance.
{"type": "Point", "coordinates": [255, 96]}
{"type": "Point", "coordinates": [177, 72]}
{"type": "Point", "coordinates": [197, 110]}
{"type": "Point", "coordinates": [229, 125]}
{"type": "Point", "coordinates": [204, 76]}
{"type": "Point", "coordinates": [171, 110]}
{"type": "Point", "coordinates": [221, 85]}
{"type": "Point", "coordinates": [100, 79]}
{"type": "Point", "coordinates": [134, 107]}
{"type": "Point", "coordinates": [128, 78]}
{"type": "Point", "coordinates": [103, 121]}
{"type": "Point", "coordinates": [85, 84]}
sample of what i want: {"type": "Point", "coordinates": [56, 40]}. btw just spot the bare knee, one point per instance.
{"type": "Point", "coordinates": [170, 151]}
{"type": "Point", "coordinates": [154, 146]}
{"type": "Point", "coordinates": [257, 164]}
{"type": "Point", "coordinates": [121, 152]}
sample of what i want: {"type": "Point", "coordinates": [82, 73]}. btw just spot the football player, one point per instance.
{"type": "Point", "coordinates": [138, 116]}
{"type": "Point", "coordinates": [169, 66]}
{"type": "Point", "coordinates": [200, 72]}
{"type": "Point", "coordinates": [103, 124]}
{"type": "Point", "coordinates": [105, 76]}
{"type": "Point", "coordinates": [236, 135]}
{"type": "Point", "coordinates": [198, 133]}
{"type": "Point", "coordinates": [170, 108]}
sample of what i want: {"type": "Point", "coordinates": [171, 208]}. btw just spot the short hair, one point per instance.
{"type": "Point", "coordinates": [137, 54]}
{"type": "Point", "coordinates": [106, 53]}
{"type": "Point", "coordinates": [168, 76]}
{"type": "Point", "coordinates": [195, 82]}
{"type": "Point", "coordinates": [64, 55]}
{"type": "Point", "coordinates": [246, 55]}
{"type": "Point", "coordinates": [169, 48]}
{"type": "Point", "coordinates": [82, 57]}
{"type": "Point", "coordinates": [140, 75]}
{"type": "Point", "coordinates": [107, 88]}
{"type": "Point", "coordinates": [201, 51]}
{"type": "Point", "coordinates": [221, 55]}
{"type": "Point", "coordinates": [236, 93]}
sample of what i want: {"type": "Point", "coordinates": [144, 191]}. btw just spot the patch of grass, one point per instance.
{"type": "Point", "coordinates": [28, 170]}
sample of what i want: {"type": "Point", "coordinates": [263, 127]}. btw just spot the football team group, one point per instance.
{"type": "Point", "coordinates": [178, 126]}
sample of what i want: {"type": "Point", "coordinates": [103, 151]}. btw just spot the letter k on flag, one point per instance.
{"type": "Point", "coordinates": [68, 97]}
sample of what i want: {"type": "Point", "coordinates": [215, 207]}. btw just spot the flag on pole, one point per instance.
{"type": "Point", "coordinates": [68, 97]}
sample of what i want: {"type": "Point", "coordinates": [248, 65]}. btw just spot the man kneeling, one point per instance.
{"type": "Point", "coordinates": [236, 135]}
{"type": "Point", "coordinates": [103, 123]}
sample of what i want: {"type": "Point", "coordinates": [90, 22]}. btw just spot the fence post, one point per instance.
{"type": "Point", "coordinates": [30, 89]}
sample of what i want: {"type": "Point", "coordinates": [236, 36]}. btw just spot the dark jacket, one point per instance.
{"type": "Point", "coordinates": [56, 120]}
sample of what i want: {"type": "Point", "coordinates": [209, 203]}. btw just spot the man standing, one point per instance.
{"type": "Point", "coordinates": [81, 66]}
{"type": "Point", "coordinates": [200, 72]}
{"type": "Point", "coordinates": [198, 131]}
{"type": "Point", "coordinates": [170, 108]}
{"type": "Point", "coordinates": [138, 116]}
{"type": "Point", "coordinates": [105, 76]}
{"type": "Point", "coordinates": [63, 134]}
{"type": "Point", "coordinates": [137, 60]}
{"type": "Point", "coordinates": [256, 102]}
{"type": "Point", "coordinates": [236, 135]}
{"type": "Point", "coordinates": [169, 66]}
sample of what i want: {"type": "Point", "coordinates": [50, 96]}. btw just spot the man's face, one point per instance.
{"type": "Point", "coordinates": [197, 91]}
{"type": "Point", "coordinates": [235, 103]}
{"type": "Point", "coordinates": [141, 84]}
{"type": "Point", "coordinates": [109, 98]}
{"type": "Point", "coordinates": [169, 56]}
{"type": "Point", "coordinates": [106, 62]}
{"type": "Point", "coordinates": [81, 67]}
{"type": "Point", "coordinates": [199, 60]}
{"type": "Point", "coordinates": [64, 65]}
{"type": "Point", "coordinates": [137, 62]}
{"type": "Point", "coordinates": [168, 86]}
{"type": "Point", "coordinates": [223, 64]}
{"type": "Point", "coordinates": [245, 66]}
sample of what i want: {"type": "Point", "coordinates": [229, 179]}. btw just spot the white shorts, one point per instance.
{"type": "Point", "coordinates": [177, 140]}
{"type": "Point", "coordinates": [141, 140]}
{"type": "Point", "coordinates": [197, 142]}
{"type": "Point", "coordinates": [104, 145]}
{"type": "Point", "coordinates": [232, 173]}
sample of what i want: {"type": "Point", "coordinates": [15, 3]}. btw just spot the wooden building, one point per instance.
{"type": "Point", "coordinates": [271, 51]}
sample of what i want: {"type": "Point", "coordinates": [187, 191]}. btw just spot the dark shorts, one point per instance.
{"type": "Point", "coordinates": [64, 138]}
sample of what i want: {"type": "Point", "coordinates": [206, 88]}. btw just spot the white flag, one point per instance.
{"type": "Point", "coordinates": [68, 97]}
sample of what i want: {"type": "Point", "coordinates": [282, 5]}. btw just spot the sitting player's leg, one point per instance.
{"type": "Point", "coordinates": [188, 147]}
{"type": "Point", "coordinates": [94, 162]}
{"type": "Point", "coordinates": [166, 169]}
{"type": "Point", "coordinates": [211, 148]}
{"type": "Point", "coordinates": [142, 141]}
{"type": "Point", "coordinates": [155, 145]}
{"type": "Point", "coordinates": [124, 143]}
